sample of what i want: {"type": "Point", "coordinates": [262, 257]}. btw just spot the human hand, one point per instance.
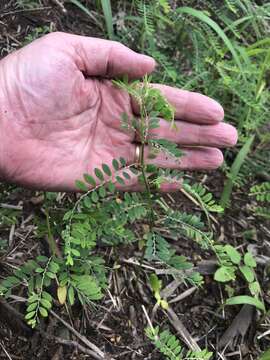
{"type": "Point", "coordinates": [60, 114]}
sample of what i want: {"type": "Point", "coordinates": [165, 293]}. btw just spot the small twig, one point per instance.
{"type": "Point", "coordinates": [263, 334]}
{"type": "Point", "coordinates": [10, 206]}
{"type": "Point", "coordinates": [76, 345]}
{"type": "Point", "coordinates": [183, 295]}
{"type": "Point", "coordinates": [132, 261]}
{"type": "Point", "coordinates": [99, 354]}
{"type": "Point", "coordinates": [148, 319]}
{"type": "Point", "coordinates": [11, 235]}
{"type": "Point", "coordinates": [5, 351]}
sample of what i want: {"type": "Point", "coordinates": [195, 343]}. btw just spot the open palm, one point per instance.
{"type": "Point", "coordinates": [60, 114]}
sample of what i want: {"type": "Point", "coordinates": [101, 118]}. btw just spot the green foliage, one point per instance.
{"type": "Point", "coordinates": [222, 51]}
{"type": "Point", "coordinates": [206, 19]}
{"type": "Point", "coordinates": [168, 345]}
{"type": "Point", "coordinates": [265, 355]}
{"type": "Point", "coordinates": [107, 11]}
{"type": "Point", "coordinates": [205, 198]}
{"type": "Point", "coordinates": [233, 264]}
{"type": "Point", "coordinates": [156, 286]}
{"type": "Point", "coordinates": [36, 33]}
{"type": "Point", "coordinates": [167, 147]}
{"type": "Point", "coordinates": [244, 299]}
{"type": "Point", "coordinates": [262, 195]}
{"type": "Point", "coordinates": [37, 274]}
{"type": "Point", "coordinates": [234, 171]}
{"type": "Point", "coordinates": [188, 225]}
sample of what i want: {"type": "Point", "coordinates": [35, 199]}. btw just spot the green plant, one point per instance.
{"type": "Point", "coordinates": [103, 215]}
{"type": "Point", "coordinates": [234, 171]}
{"type": "Point", "coordinates": [265, 355]}
{"type": "Point", "coordinates": [232, 262]}
{"type": "Point", "coordinates": [107, 11]}
{"type": "Point", "coordinates": [36, 33]}
{"type": "Point", "coordinates": [223, 52]}
{"type": "Point", "coordinates": [156, 286]}
{"type": "Point", "coordinates": [168, 345]}
{"type": "Point", "coordinates": [262, 195]}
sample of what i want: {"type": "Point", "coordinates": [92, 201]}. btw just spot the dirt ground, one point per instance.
{"type": "Point", "coordinates": [116, 325]}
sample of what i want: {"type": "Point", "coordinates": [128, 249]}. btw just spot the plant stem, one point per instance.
{"type": "Point", "coordinates": [51, 241]}
{"type": "Point", "coordinates": [147, 188]}
{"type": "Point", "coordinates": [143, 132]}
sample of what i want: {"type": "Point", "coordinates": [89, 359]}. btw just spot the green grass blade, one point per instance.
{"type": "Point", "coordinates": [85, 10]}
{"type": "Point", "coordinates": [260, 43]}
{"type": "Point", "coordinates": [206, 19]}
{"type": "Point", "coordinates": [107, 11]}
{"type": "Point", "coordinates": [234, 171]}
{"type": "Point", "coordinates": [245, 299]}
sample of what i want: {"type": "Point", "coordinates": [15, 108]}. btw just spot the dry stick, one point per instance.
{"type": "Point", "coordinates": [99, 354]}
{"type": "Point", "coordinates": [76, 345]}
{"type": "Point", "coordinates": [5, 351]}
{"type": "Point", "coordinates": [183, 295]}
{"type": "Point", "coordinates": [10, 206]}
{"type": "Point", "coordinates": [267, 332]}
{"type": "Point", "coordinates": [181, 329]}
{"type": "Point", "coordinates": [148, 319]}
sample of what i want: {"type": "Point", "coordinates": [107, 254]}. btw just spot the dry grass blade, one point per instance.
{"type": "Point", "coordinates": [5, 351]}
{"type": "Point", "coordinates": [239, 326]}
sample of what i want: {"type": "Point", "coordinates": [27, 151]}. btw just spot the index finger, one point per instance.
{"type": "Point", "coordinates": [190, 106]}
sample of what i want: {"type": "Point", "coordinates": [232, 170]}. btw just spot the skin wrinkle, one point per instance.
{"type": "Point", "coordinates": [108, 67]}
{"type": "Point", "coordinates": [92, 133]}
{"type": "Point", "coordinates": [7, 89]}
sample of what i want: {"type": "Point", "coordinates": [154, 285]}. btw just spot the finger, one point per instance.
{"type": "Point", "coordinates": [188, 134]}
{"type": "Point", "coordinates": [204, 158]}
{"type": "Point", "coordinates": [134, 185]}
{"type": "Point", "coordinates": [98, 57]}
{"type": "Point", "coordinates": [193, 159]}
{"type": "Point", "coordinates": [190, 106]}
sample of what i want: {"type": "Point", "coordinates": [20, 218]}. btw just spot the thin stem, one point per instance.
{"type": "Point", "coordinates": [143, 136]}
{"type": "Point", "coordinates": [52, 244]}
{"type": "Point", "coordinates": [147, 188]}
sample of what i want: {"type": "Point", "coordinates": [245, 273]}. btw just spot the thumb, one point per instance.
{"type": "Point", "coordinates": [98, 57]}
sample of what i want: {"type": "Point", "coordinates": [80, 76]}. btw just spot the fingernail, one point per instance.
{"type": "Point", "coordinates": [232, 135]}
{"type": "Point", "coordinates": [216, 110]}
{"type": "Point", "coordinates": [149, 60]}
